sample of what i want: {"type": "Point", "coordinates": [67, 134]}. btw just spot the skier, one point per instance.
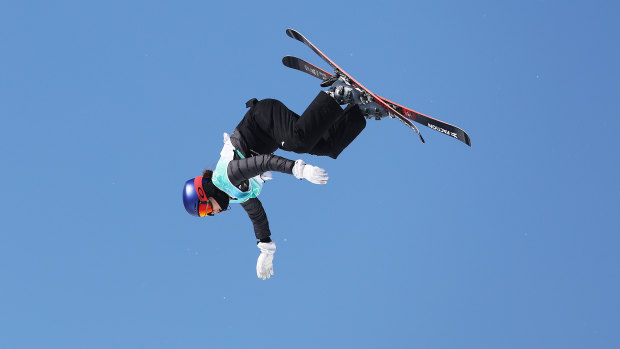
{"type": "Point", "coordinates": [324, 129]}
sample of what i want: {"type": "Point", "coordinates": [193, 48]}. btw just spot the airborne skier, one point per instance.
{"type": "Point", "coordinates": [324, 129]}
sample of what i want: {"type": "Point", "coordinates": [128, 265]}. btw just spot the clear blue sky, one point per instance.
{"type": "Point", "coordinates": [108, 108]}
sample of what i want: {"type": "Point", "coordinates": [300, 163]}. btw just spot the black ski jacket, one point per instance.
{"type": "Point", "coordinates": [323, 129]}
{"type": "Point", "coordinates": [241, 170]}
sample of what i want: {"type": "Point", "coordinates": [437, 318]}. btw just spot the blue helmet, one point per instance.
{"type": "Point", "coordinates": [196, 193]}
{"type": "Point", "coordinates": [191, 200]}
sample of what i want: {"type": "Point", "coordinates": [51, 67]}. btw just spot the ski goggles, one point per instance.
{"type": "Point", "coordinates": [204, 206]}
{"type": "Point", "coordinates": [205, 209]}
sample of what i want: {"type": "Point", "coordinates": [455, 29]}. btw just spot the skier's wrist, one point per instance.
{"type": "Point", "coordinates": [265, 240]}
{"type": "Point", "coordinates": [298, 169]}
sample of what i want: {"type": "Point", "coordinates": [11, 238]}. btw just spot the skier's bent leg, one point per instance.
{"type": "Point", "coordinates": [315, 121]}
{"type": "Point", "coordinates": [342, 133]}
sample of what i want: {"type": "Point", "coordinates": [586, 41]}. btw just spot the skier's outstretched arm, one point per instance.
{"type": "Point", "coordinates": [256, 212]}
{"type": "Point", "coordinates": [243, 169]}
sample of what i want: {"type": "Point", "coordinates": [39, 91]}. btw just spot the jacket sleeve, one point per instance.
{"type": "Point", "coordinates": [256, 212]}
{"type": "Point", "coordinates": [244, 169]}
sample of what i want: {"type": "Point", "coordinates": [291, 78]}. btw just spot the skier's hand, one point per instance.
{"type": "Point", "coordinates": [313, 174]}
{"type": "Point", "coordinates": [264, 265]}
{"type": "Point", "coordinates": [228, 149]}
{"type": "Point", "coordinates": [265, 176]}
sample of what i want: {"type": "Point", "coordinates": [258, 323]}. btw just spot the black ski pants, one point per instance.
{"type": "Point", "coordinates": [323, 129]}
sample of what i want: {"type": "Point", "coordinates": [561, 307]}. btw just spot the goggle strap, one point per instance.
{"type": "Point", "coordinates": [199, 189]}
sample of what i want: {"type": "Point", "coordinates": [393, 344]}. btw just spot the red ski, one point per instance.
{"type": "Point", "coordinates": [394, 110]}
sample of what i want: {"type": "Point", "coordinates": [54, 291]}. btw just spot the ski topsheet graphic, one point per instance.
{"type": "Point", "coordinates": [404, 114]}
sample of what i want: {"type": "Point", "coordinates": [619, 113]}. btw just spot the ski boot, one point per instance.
{"type": "Point", "coordinates": [344, 93]}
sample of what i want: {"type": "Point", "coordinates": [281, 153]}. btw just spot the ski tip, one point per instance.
{"type": "Point", "coordinates": [463, 137]}
{"type": "Point", "coordinates": [421, 138]}
{"type": "Point", "coordinates": [294, 34]}
{"type": "Point", "coordinates": [467, 140]}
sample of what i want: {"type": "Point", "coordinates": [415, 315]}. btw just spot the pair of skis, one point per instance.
{"type": "Point", "coordinates": [394, 110]}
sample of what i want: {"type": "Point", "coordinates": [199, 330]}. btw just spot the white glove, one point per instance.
{"type": "Point", "coordinates": [228, 150]}
{"type": "Point", "coordinates": [264, 265]}
{"type": "Point", "coordinates": [266, 176]}
{"type": "Point", "coordinates": [313, 174]}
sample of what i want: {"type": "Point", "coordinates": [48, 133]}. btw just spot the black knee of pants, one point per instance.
{"type": "Point", "coordinates": [342, 133]}
{"type": "Point", "coordinates": [301, 134]}
{"type": "Point", "coordinates": [323, 129]}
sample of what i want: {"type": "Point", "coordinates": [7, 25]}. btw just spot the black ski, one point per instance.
{"type": "Point", "coordinates": [432, 123]}
{"type": "Point", "coordinates": [409, 114]}
{"type": "Point", "coordinates": [297, 36]}
{"type": "Point", "coordinates": [301, 65]}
